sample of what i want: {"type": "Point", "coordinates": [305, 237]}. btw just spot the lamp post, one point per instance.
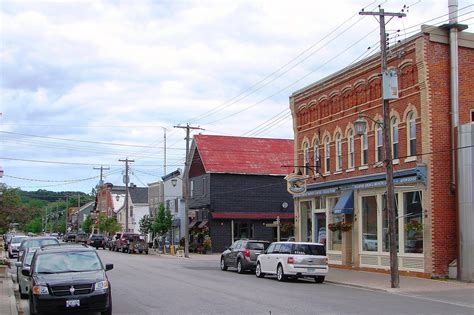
{"type": "Point", "coordinates": [360, 127]}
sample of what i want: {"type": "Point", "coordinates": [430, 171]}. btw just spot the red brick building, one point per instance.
{"type": "Point", "coordinates": [346, 176]}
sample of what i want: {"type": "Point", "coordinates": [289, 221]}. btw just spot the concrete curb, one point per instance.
{"type": "Point", "coordinates": [11, 294]}
{"type": "Point", "coordinates": [353, 285]}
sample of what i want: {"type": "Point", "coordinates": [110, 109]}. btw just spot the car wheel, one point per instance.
{"type": "Point", "coordinates": [223, 265]}
{"type": "Point", "coordinates": [23, 295]}
{"type": "Point", "coordinates": [319, 279]}
{"type": "Point", "coordinates": [240, 268]}
{"type": "Point", "coordinates": [280, 274]}
{"type": "Point", "coordinates": [146, 252]}
{"type": "Point", "coordinates": [258, 271]}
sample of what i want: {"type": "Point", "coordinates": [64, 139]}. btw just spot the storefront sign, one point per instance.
{"type": "Point", "coordinates": [296, 184]}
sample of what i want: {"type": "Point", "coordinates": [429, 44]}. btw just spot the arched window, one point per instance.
{"type": "Point", "coordinates": [317, 162]}
{"type": "Point", "coordinates": [364, 145]}
{"type": "Point", "coordinates": [338, 152]}
{"type": "Point", "coordinates": [411, 133]}
{"type": "Point", "coordinates": [394, 129]}
{"type": "Point", "coordinates": [305, 157]}
{"type": "Point", "coordinates": [350, 149]}
{"type": "Point", "coordinates": [327, 155]}
{"type": "Point", "coordinates": [378, 143]}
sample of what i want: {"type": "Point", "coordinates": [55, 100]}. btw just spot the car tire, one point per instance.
{"type": "Point", "coordinates": [223, 265]}
{"type": "Point", "coordinates": [258, 271]}
{"type": "Point", "coordinates": [23, 295]}
{"type": "Point", "coordinates": [280, 273]}
{"type": "Point", "coordinates": [319, 279]}
{"type": "Point", "coordinates": [240, 268]}
{"type": "Point", "coordinates": [146, 252]}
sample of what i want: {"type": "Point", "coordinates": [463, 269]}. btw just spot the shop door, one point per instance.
{"type": "Point", "coordinates": [320, 228]}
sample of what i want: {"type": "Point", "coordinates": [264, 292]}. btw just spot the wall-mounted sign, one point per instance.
{"type": "Point", "coordinates": [296, 184]}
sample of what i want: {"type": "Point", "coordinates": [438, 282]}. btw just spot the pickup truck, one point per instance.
{"type": "Point", "coordinates": [123, 243]}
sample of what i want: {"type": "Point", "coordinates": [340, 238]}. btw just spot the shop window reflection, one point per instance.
{"type": "Point", "coordinates": [369, 224]}
{"type": "Point", "coordinates": [413, 222]}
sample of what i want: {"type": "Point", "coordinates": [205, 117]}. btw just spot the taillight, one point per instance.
{"type": "Point", "coordinates": [247, 252]}
{"type": "Point", "coordinates": [290, 260]}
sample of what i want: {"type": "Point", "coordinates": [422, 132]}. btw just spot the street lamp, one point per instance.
{"type": "Point", "coordinates": [360, 126]}
{"type": "Point", "coordinates": [174, 181]}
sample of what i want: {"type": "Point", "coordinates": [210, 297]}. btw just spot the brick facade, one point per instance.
{"type": "Point", "coordinates": [330, 107]}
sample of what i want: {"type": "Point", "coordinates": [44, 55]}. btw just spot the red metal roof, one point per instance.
{"type": "Point", "coordinates": [241, 155]}
{"type": "Point", "coordinates": [251, 215]}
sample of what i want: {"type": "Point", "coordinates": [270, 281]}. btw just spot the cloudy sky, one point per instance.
{"type": "Point", "coordinates": [86, 83]}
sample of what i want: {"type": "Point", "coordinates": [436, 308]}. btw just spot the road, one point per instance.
{"type": "Point", "coordinates": [151, 284]}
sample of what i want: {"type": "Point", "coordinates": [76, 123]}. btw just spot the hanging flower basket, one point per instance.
{"type": "Point", "coordinates": [345, 227]}
{"type": "Point", "coordinates": [333, 227]}
{"type": "Point", "coordinates": [413, 226]}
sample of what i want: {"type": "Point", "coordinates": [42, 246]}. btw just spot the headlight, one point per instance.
{"type": "Point", "coordinates": [39, 290]}
{"type": "Point", "coordinates": [101, 285]}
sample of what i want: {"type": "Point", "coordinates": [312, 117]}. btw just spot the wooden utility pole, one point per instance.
{"type": "Point", "coordinates": [390, 202]}
{"type": "Point", "coordinates": [126, 180]}
{"type": "Point", "coordinates": [164, 152]}
{"type": "Point", "coordinates": [186, 187]}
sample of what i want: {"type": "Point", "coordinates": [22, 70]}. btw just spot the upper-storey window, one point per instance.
{"type": "Point", "coordinates": [317, 162]}
{"type": "Point", "coordinates": [411, 133]}
{"type": "Point", "coordinates": [327, 155]}
{"type": "Point", "coordinates": [305, 157]}
{"type": "Point", "coordinates": [394, 124]}
{"type": "Point", "coordinates": [350, 149]}
{"type": "Point", "coordinates": [338, 152]}
{"type": "Point", "coordinates": [378, 143]}
{"type": "Point", "coordinates": [364, 140]}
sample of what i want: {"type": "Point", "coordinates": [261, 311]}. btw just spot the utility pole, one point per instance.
{"type": "Point", "coordinates": [390, 200]}
{"type": "Point", "coordinates": [126, 190]}
{"type": "Point", "coordinates": [101, 183]}
{"type": "Point", "coordinates": [164, 152]}
{"type": "Point", "coordinates": [186, 187]}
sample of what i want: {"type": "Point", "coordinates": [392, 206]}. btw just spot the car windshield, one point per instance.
{"type": "Point", "coordinates": [68, 262]}
{"type": "Point", "coordinates": [256, 246]}
{"type": "Point", "coordinates": [308, 249]}
{"type": "Point", "coordinates": [17, 240]}
{"type": "Point", "coordinates": [39, 242]}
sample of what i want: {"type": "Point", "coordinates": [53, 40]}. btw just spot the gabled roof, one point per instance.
{"type": "Point", "coordinates": [241, 155]}
{"type": "Point", "coordinates": [138, 194]}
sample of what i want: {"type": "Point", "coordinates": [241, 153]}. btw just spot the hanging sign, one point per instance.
{"type": "Point", "coordinates": [296, 184]}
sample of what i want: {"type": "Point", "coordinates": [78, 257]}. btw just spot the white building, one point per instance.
{"type": "Point", "coordinates": [174, 201]}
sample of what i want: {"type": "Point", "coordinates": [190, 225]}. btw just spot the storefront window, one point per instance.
{"type": "Point", "coordinates": [335, 237]}
{"type": "Point", "coordinates": [369, 224]}
{"type": "Point", "coordinates": [243, 230]}
{"type": "Point", "coordinates": [385, 233]}
{"type": "Point", "coordinates": [413, 222]}
{"type": "Point", "coordinates": [306, 224]}
{"type": "Point", "coordinates": [320, 228]}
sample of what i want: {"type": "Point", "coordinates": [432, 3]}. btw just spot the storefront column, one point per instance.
{"type": "Point", "coordinates": [347, 243]}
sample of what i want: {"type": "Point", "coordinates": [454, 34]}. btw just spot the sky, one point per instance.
{"type": "Point", "coordinates": [87, 83]}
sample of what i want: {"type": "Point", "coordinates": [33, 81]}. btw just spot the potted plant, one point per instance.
{"type": "Point", "coordinates": [334, 226]}
{"type": "Point", "coordinates": [207, 245]}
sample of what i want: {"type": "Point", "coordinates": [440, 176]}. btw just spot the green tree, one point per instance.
{"type": "Point", "coordinates": [9, 206]}
{"type": "Point", "coordinates": [87, 224]}
{"type": "Point", "coordinates": [163, 221]}
{"type": "Point", "coordinates": [34, 226]}
{"type": "Point", "coordinates": [109, 225]}
{"type": "Point", "coordinates": [146, 224]}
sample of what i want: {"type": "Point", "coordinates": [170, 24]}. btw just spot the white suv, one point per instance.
{"type": "Point", "coordinates": [293, 259]}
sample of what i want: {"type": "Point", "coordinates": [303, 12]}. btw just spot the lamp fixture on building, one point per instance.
{"type": "Point", "coordinates": [117, 197]}
{"type": "Point", "coordinates": [174, 181]}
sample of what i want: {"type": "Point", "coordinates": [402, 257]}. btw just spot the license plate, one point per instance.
{"type": "Point", "coordinates": [73, 303]}
{"type": "Point", "coordinates": [311, 269]}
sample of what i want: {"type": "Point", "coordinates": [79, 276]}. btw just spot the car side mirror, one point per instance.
{"type": "Point", "coordinates": [109, 267]}
{"type": "Point", "coordinates": [18, 264]}
{"type": "Point", "coordinates": [26, 272]}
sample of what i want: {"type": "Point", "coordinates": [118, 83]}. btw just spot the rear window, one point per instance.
{"type": "Point", "coordinates": [308, 249]}
{"type": "Point", "coordinates": [17, 239]}
{"type": "Point", "coordinates": [257, 246]}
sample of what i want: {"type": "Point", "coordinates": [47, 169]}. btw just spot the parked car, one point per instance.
{"type": "Point", "coordinates": [36, 242]}
{"type": "Point", "coordinates": [13, 247]}
{"type": "Point", "coordinates": [123, 243]}
{"type": "Point", "coordinates": [369, 242]}
{"type": "Point", "coordinates": [243, 255]}
{"type": "Point", "coordinates": [24, 264]}
{"type": "Point", "coordinates": [138, 245]}
{"type": "Point", "coordinates": [97, 240]}
{"type": "Point", "coordinates": [293, 259]}
{"type": "Point", "coordinates": [7, 239]}
{"type": "Point", "coordinates": [81, 237]}
{"type": "Point", "coordinates": [70, 237]}
{"type": "Point", "coordinates": [68, 278]}
{"type": "Point", "coordinates": [112, 242]}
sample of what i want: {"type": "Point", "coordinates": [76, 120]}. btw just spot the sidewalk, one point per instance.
{"type": "Point", "coordinates": [7, 295]}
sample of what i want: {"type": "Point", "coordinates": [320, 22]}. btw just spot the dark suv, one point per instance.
{"type": "Point", "coordinates": [68, 278]}
{"type": "Point", "coordinates": [97, 240]}
{"type": "Point", "coordinates": [243, 255]}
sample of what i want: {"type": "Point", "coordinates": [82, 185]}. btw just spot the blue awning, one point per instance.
{"type": "Point", "coordinates": [345, 204]}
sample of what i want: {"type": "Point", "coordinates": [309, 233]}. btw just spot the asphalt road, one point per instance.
{"type": "Point", "coordinates": [150, 284]}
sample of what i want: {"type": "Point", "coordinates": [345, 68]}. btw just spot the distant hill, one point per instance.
{"type": "Point", "coordinates": [52, 196]}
